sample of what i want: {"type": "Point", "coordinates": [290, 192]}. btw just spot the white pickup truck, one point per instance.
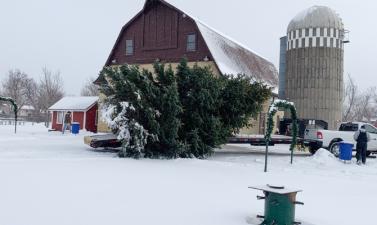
{"type": "Point", "coordinates": [330, 139]}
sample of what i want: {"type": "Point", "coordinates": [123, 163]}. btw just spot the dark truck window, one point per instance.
{"type": "Point", "coordinates": [348, 127]}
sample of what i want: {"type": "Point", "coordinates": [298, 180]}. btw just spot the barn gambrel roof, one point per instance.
{"type": "Point", "coordinates": [229, 56]}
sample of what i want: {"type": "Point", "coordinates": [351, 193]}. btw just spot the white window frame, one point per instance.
{"type": "Point", "coordinates": [61, 118]}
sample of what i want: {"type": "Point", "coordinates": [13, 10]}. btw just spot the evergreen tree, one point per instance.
{"type": "Point", "coordinates": [199, 93]}
{"type": "Point", "coordinates": [241, 100]}
{"type": "Point", "coordinates": [169, 108]}
{"type": "Point", "coordinates": [149, 123]}
{"type": "Point", "coordinates": [214, 108]}
{"type": "Point", "coordinates": [187, 114]}
{"type": "Point", "coordinates": [129, 95]}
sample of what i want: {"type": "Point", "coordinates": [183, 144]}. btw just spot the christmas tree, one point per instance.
{"type": "Point", "coordinates": [187, 114]}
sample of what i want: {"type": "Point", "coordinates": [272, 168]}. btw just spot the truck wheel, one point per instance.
{"type": "Point", "coordinates": [334, 149]}
{"type": "Point", "coordinates": [312, 150]}
{"type": "Point", "coordinates": [93, 145]}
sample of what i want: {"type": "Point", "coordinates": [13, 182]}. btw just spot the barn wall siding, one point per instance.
{"type": "Point", "coordinates": [91, 119]}
{"type": "Point", "coordinates": [160, 33]}
{"type": "Point", "coordinates": [78, 117]}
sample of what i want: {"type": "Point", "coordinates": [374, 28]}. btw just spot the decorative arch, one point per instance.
{"type": "Point", "coordinates": [15, 109]}
{"type": "Point", "coordinates": [270, 125]}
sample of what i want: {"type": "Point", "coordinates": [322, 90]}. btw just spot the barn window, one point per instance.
{"type": "Point", "coordinates": [129, 47]}
{"type": "Point", "coordinates": [191, 42]}
{"type": "Point", "coordinates": [59, 117]}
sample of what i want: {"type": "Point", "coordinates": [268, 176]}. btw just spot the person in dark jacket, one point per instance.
{"type": "Point", "coordinates": [362, 138]}
{"type": "Point", "coordinates": [67, 121]}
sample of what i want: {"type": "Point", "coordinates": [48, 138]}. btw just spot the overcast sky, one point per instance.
{"type": "Point", "coordinates": [76, 36]}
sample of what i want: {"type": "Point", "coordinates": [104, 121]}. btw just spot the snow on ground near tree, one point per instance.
{"type": "Point", "coordinates": [49, 178]}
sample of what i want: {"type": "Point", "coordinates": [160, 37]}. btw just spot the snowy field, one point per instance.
{"type": "Point", "coordinates": [49, 178]}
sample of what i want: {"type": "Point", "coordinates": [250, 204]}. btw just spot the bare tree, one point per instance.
{"type": "Point", "coordinates": [50, 90]}
{"type": "Point", "coordinates": [359, 106]}
{"type": "Point", "coordinates": [90, 89]}
{"type": "Point", "coordinates": [350, 95]}
{"type": "Point", "coordinates": [31, 92]}
{"type": "Point", "coordinates": [364, 109]}
{"type": "Point", "coordinates": [17, 85]}
{"type": "Point", "coordinates": [31, 95]}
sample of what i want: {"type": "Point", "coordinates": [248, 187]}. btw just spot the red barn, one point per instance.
{"type": "Point", "coordinates": [84, 111]}
{"type": "Point", "coordinates": [164, 33]}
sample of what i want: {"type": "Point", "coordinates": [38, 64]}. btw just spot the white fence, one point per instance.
{"type": "Point", "coordinates": [10, 121]}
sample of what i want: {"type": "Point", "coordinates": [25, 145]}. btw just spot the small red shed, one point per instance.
{"type": "Point", "coordinates": [84, 111]}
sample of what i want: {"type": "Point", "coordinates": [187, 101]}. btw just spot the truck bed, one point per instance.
{"type": "Point", "coordinates": [258, 140]}
{"type": "Point", "coordinates": [103, 141]}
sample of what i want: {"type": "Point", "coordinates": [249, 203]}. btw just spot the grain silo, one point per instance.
{"type": "Point", "coordinates": [313, 70]}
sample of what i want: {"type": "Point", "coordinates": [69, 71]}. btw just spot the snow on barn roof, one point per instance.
{"type": "Point", "coordinates": [232, 57]}
{"type": "Point", "coordinates": [81, 103]}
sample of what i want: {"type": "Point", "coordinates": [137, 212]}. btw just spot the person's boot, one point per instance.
{"type": "Point", "coordinates": [358, 162]}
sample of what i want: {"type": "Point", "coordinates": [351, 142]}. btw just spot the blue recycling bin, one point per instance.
{"type": "Point", "coordinates": [75, 128]}
{"type": "Point", "coordinates": [345, 151]}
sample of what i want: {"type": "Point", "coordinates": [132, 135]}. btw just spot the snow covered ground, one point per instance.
{"type": "Point", "coordinates": [49, 178]}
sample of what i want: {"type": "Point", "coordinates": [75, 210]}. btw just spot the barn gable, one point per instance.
{"type": "Point", "coordinates": [159, 32]}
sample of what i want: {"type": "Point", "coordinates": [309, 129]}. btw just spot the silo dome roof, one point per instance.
{"type": "Point", "coordinates": [316, 16]}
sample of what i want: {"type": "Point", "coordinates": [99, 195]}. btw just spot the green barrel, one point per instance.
{"type": "Point", "coordinates": [279, 209]}
{"type": "Point", "coordinates": [279, 206]}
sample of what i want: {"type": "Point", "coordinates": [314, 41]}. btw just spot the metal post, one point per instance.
{"type": "Point", "coordinates": [15, 123]}
{"type": "Point", "coordinates": [266, 157]}
{"type": "Point", "coordinates": [294, 136]}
